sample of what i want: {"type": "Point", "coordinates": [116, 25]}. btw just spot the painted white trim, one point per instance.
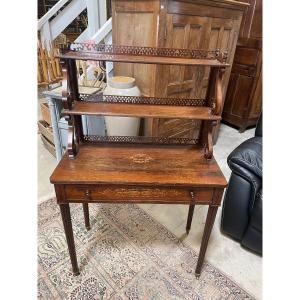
{"type": "Point", "coordinates": [93, 16]}
{"type": "Point", "coordinates": [65, 17]}
{"type": "Point", "coordinates": [102, 12]}
{"type": "Point", "coordinates": [46, 36]}
{"type": "Point", "coordinates": [102, 32]}
{"type": "Point", "coordinates": [83, 37]}
{"type": "Point", "coordinates": [51, 13]}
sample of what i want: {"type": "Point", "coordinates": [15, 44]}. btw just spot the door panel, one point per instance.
{"type": "Point", "coordinates": [184, 32]}
{"type": "Point", "coordinates": [192, 32]}
{"type": "Point", "coordinates": [239, 92]}
{"type": "Point", "coordinates": [133, 25]}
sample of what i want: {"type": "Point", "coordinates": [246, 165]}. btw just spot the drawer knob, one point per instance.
{"type": "Point", "coordinates": [87, 194]}
{"type": "Point", "coordinates": [192, 195]}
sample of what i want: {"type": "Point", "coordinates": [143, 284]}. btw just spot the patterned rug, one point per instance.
{"type": "Point", "coordinates": [126, 255]}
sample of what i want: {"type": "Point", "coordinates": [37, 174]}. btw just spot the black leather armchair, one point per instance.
{"type": "Point", "coordinates": [242, 205]}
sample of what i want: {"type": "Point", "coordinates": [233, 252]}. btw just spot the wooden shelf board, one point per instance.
{"type": "Point", "coordinates": [80, 55]}
{"type": "Point", "coordinates": [141, 110]}
{"type": "Point", "coordinates": [143, 165]}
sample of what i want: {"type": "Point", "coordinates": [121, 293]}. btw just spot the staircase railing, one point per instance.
{"type": "Point", "coordinates": [65, 11]}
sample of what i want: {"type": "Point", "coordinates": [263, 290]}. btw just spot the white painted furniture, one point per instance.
{"type": "Point", "coordinates": [92, 125]}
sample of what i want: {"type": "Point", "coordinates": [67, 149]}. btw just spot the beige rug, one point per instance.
{"type": "Point", "coordinates": [126, 255]}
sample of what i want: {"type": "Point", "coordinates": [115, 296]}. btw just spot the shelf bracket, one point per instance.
{"type": "Point", "coordinates": [206, 139]}
{"type": "Point", "coordinates": [72, 140]}
{"type": "Point", "coordinates": [208, 150]}
{"type": "Point", "coordinates": [217, 107]}
{"type": "Point", "coordinates": [66, 98]}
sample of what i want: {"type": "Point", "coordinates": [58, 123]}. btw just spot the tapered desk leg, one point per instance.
{"type": "Point", "coordinates": [210, 219]}
{"type": "Point", "coordinates": [66, 218]}
{"type": "Point", "coordinates": [86, 215]}
{"type": "Point", "coordinates": [190, 218]}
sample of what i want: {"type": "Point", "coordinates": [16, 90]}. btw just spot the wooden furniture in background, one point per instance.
{"type": "Point", "coordinates": [198, 24]}
{"type": "Point", "coordinates": [123, 169]}
{"type": "Point", "coordinates": [45, 112]}
{"type": "Point", "coordinates": [45, 128]}
{"type": "Point", "coordinates": [47, 136]}
{"type": "Point", "coordinates": [243, 101]}
{"type": "Point", "coordinates": [49, 69]}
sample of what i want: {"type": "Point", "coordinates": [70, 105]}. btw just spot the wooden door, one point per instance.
{"type": "Point", "coordinates": [180, 81]}
{"type": "Point", "coordinates": [192, 32]}
{"type": "Point", "coordinates": [135, 24]}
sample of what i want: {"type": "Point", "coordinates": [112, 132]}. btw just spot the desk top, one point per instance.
{"type": "Point", "coordinates": [144, 165]}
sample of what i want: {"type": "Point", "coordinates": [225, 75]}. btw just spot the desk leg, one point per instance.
{"type": "Point", "coordinates": [190, 218]}
{"type": "Point", "coordinates": [66, 218]}
{"type": "Point", "coordinates": [210, 219]}
{"type": "Point", "coordinates": [86, 215]}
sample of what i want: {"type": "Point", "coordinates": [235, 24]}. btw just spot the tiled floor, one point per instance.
{"type": "Point", "coordinates": [243, 267]}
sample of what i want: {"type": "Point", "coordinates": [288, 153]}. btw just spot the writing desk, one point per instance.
{"type": "Point", "coordinates": [127, 173]}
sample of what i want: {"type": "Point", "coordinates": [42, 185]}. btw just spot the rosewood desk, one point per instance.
{"type": "Point", "coordinates": [127, 173]}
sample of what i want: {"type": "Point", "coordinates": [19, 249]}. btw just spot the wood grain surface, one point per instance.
{"type": "Point", "coordinates": [141, 110]}
{"type": "Point", "coordinates": [144, 165]}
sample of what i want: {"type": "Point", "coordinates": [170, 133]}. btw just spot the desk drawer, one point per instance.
{"type": "Point", "coordinates": [97, 193]}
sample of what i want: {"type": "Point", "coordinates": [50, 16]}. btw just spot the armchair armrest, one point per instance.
{"type": "Point", "coordinates": [246, 159]}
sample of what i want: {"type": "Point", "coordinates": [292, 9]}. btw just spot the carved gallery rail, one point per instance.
{"type": "Point", "coordinates": [140, 169]}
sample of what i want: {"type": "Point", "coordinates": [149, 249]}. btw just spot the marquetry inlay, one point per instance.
{"type": "Point", "coordinates": [141, 158]}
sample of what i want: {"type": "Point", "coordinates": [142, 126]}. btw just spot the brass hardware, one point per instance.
{"type": "Point", "coordinates": [87, 194]}
{"type": "Point", "coordinates": [192, 195]}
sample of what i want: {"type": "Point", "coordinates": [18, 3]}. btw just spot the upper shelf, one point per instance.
{"type": "Point", "coordinates": [145, 55]}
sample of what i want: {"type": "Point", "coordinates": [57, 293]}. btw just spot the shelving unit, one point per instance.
{"type": "Point", "coordinates": [123, 169]}
{"type": "Point", "coordinates": [207, 110]}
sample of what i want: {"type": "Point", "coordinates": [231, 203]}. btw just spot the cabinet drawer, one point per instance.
{"type": "Point", "coordinates": [97, 193]}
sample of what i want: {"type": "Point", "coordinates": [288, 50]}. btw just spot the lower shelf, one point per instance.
{"type": "Point", "coordinates": [141, 110]}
